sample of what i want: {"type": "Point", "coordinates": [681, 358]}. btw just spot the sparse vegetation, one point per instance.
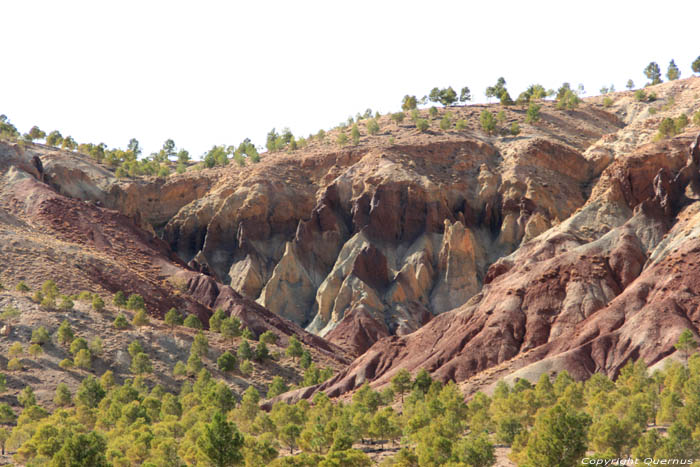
{"type": "Point", "coordinates": [488, 122]}
{"type": "Point", "coordinates": [653, 73]}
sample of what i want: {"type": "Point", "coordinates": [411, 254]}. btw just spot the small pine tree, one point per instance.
{"type": "Point", "coordinates": [63, 396]}
{"type": "Point", "coordinates": [244, 351]}
{"type": "Point", "coordinates": [630, 84]}
{"type": "Point", "coordinates": [194, 364]}
{"type": "Point", "coordinates": [533, 113]}
{"type": "Point", "coordinates": [277, 387]}
{"type": "Point", "coordinates": [200, 345]}
{"type": "Point", "coordinates": [261, 352]}
{"type": "Point", "coordinates": [461, 124]}
{"type": "Point", "coordinates": [653, 73]}
{"type": "Point", "coordinates": [398, 117]}
{"type": "Point", "coordinates": [83, 359]}
{"type": "Point", "coordinates": [372, 126]}
{"type": "Point", "coordinates": [294, 348]}
{"type": "Point", "coordinates": [40, 336]}
{"type": "Point", "coordinates": [35, 350]}
{"type": "Point", "coordinates": [119, 300]}
{"type": "Point", "coordinates": [515, 129]}
{"type": "Point", "coordinates": [247, 368]}
{"type": "Point", "coordinates": [216, 319]}
{"type": "Point", "coordinates": [231, 328]}
{"type": "Point", "coordinates": [227, 362]}
{"type": "Point", "coordinates": [140, 318]}
{"type": "Point", "coordinates": [221, 443]}
{"type": "Point", "coordinates": [305, 360]}
{"type": "Point", "coordinates": [269, 337]}
{"type": "Point", "coordinates": [673, 73]}
{"type": "Point", "coordinates": [141, 364]}
{"type": "Point", "coordinates": [422, 125]}
{"type": "Point", "coordinates": [342, 139]}
{"type": "Point", "coordinates": [65, 333]}
{"type": "Point", "coordinates": [120, 322]}
{"type": "Point", "coordinates": [193, 322]}
{"type": "Point", "coordinates": [180, 369]}
{"type": "Point", "coordinates": [26, 398]}
{"type": "Point", "coordinates": [355, 134]}
{"type": "Point", "coordinates": [695, 66]}
{"type": "Point", "coordinates": [445, 123]}
{"type": "Point", "coordinates": [173, 318]}
{"type": "Point", "coordinates": [488, 122]}
{"type": "Point", "coordinates": [98, 304]}
{"type": "Point", "coordinates": [135, 302]}
{"type": "Point", "coordinates": [22, 287]}
{"type": "Point", "coordinates": [686, 343]}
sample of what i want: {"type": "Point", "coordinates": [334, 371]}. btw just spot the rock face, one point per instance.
{"type": "Point", "coordinates": [378, 239]}
{"type": "Point", "coordinates": [82, 245]}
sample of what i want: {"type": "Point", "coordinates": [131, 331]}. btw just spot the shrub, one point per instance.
{"type": "Point", "coordinates": [66, 304]}
{"type": "Point", "coordinates": [355, 133]}
{"type": "Point", "coordinates": [422, 125]}
{"type": "Point", "coordinates": [398, 117]}
{"type": "Point", "coordinates": [26, 398]}
{"type": "Point", "coordinates": [83, 359]}
{"type": "Point", "coordinates": [216, 319]}
{"type": "Point", "coordinates": [107, 380]}
{"type": "Point", "coordinates": [120, 322]}
{"type": "Point", "coordinates": [119, 299]}
{"type": "Point", "coordinates": [342, 139]}
{"type": "Point", "coordinates": [40, 336]}
{"type": "Point", "coordinates": [433, 111]}
{"type": "Point", "coordinates": [415, 115]}
{"type": "Point", "coordinates": [247, 368]}
{"type": "Point", "coordinates": [14, 365]}
{"type": "Point", "coordinates": [77, 345]}
{"type": "Point", "coordinates": [269, 337]}
{"type": "Point", "coordinates": [135, 302]}
{"type": "Point", "coordinates": [63, 396]}
{"type": "Point", "coordinates": [533, 113]}
{"type": "Point", "coordinates": [141, 364]}
{"type": "Point", "coordinates": [194, 364]}
{"type": "Point", "coordinates": [277, 387]}
{"type": "Point", "coordinates": [98, 304]}
{"type": "Point", "coordinates": [9, 312]}
{"type": "Point", "coordinates": [200, 345]}
{"type": "Point", "coordinates": [607, 102]}
{"type": "Point", "coordinates": [180, 369]}
{"type": "Point", "coordinates": [35, 350]}
{"type": "Point", "coordinates": [15, 350]}
{"type": "Point", "coordinates": [294, 348]}
{"type": "Point", "coordinates": [85, 296]}
{"type": "Point", "coordinates": [173, 318]}
{"type": "Point", "coordinates": [445, 123]}
{"type": "Point", "coordinates": [66, 364]}
{"type": "Point", "coordinates": [261, 352]}
{"type": "Point", "coordinates": [408, 103]}
{"type": "Point", "coordinates": [134, 348]}
{"type": "Point", "coordinates": [515, 129]}
{"type": "Point", "coordinates": [681, 122]}
{"type": "Point", "coordinates": [488, 122]}
{"type": "Point", "coordinates": [248, 334]}
{"type": "Point", "coordinates": [140, 318]}
{"type": "Point", "coordinates": [65, 333]}
{"type": "Point", "coordinates": [461, 124]}
{"type": "Point", "coordinates": [696, 118]}
{"type": "Point", "coordinates": [372, 126]}
{"type": "Point", "coordinates": [95, 346]}
{"type": "Point", "coordinates": [193, 322]}
{"type": "Point", "coordinates": [22, 287]}
{"type": "Point", "coordinates": [227, 362]}
{"type": "Point", "coordinates": [47, 302]}
{"type": "Point", "coordinates": [244, 351]}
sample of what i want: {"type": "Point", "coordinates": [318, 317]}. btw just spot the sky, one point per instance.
{"type": "Point", "coordinates": [216, 72]}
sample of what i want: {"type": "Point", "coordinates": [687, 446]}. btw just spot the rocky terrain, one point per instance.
{"type": "Point", "coordinates": [474, 255]}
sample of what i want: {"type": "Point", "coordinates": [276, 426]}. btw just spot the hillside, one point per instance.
{"type": "Point", "coordinates": [563, 243]}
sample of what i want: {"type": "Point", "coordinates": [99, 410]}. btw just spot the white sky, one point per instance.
{"type": "Point", "coordinates": [208, 72]}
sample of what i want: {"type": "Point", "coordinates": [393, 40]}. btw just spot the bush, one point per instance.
{"type": "Point", "coordinates": [135, 302]}
{"type": "Point", "coordinates": [98, 304]}
{"type": "Point", "coordinates": [533, 113]}
{"type": "Point", "coordinates": [269, 337]}
{"type": "Point", "coordinates": [433, 111]}
{"type": "Point", "coordinates": [141, 364]}
{"type": "Point", "coordinates": [15, 350]}
{"type": "Point", "coordinates": [85, 296]}
{"type": "Point", "coordinates": [65, 333]}
{"type": "Point", "coordinates": [200, 345]}
{"type": "Point", "coordinates": [40, 336]}
{"type": "Point", "coordinates": [22, 287]}
{"type": "Point", "coordinates": [35, 350]}
{"type": "Point", "coordinates": [193, 322]}
{"type": "Point", "coordinates": [66, 364]}
{"type": "Point", "coordinates": [445, 123]}
{"type": "Point", "coordinates": [173, 318]}
{"type": "Point", "coordinates": [461, 124]}
{"type": "Point", "coordinates": [247, 368]}
{"type": "Point", "coordinates": [14, 365]}
{"type": "Point", "coordinates": [696, 118]}
{"type": "Point", "coordinates": [180, 369]}
{"type": "Point", "coordinates": [372, 126]}
{"type": "Point", "coordinates": [607, 102]}
{"type": "Point", "coordinates": [277, 387]}
{"type": "Point", "coordinates": [227, 362]}
{"type": "Point", "coordinates": [216, 319]}
{"type": "Point", "coordinates": [66, 304]}
{"type": "Point", "coordinates": [95, 346]}
{"type": "Point", "coordinates": [140, 318]}
{"type": "Point", "coordinates": [83, 359]}
{"type": "Point", "coordinates": [488, 122]}
{"type": "Point", "coordinates": [77, 345]}
{"type": "Point", "coordinates": [515, 129]}
{"type": "Point", "coordinates": [194, 364]}
{"type": "Point", "coordinates": [398, 117]}
{"type": "Point", "coordinates": [355, 133]}
{"type": "Point", "coordinates": [422, 125]}
{"type": "Point", "coordinates": [244, 351]}
{"type": "Point", "coordinates": [134, 348]}
{"type": "Point", "coordinates": [120, 322]}
{"type": "Point", "coordinates": [261, 352]}
{"type": "Point", "coordinates": [63, 396]}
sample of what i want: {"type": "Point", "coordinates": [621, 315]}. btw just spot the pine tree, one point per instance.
{"type": "Point", "coordinates": [221, 442]}
{"type": "Point", "coordinates": [686, 343]}
{"type": "Point", "coordinates": [294, 348]}
{"type": "Point", "coordinates": [673, 73]}
{"type": "Point", "coordinates": [401, 382]}
{"type": "Point", "coordinates": [653, 73]}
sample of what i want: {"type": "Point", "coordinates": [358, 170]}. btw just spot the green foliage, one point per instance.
{"type": "Point", "coordinates": [140, 318]}
{"type": "Point", "coordinates": [653, 73]}
{"type": "Point", "coordinates": [120, 322]}
{"type": "Point", "coordinates": [696, 118]}
{"type": "Point", "coordinates": [200, 345]}
{"type": "Point", "coordinates": [82, 449]}
{"type": "Point", "coordinates": [398, 117]}
{"type": "Point", "coordinates": [372, 126]}
{"type": "Point", "coordinates": [446, 122]}
{"type": "Point", "coordinates": [433, 111]}
{"type": "Point", "coordinates": [227, 362]}
{"type": "Point", "coordinates": [22, 287]}
{"type": "Point", "coordinates": [246, 368]}
{"type": "Point", "coordinates": [193, 322]}
{"type": "Point", "coordinates": [686, 343]}
{"type": "Point", "coordinates": [277, 387]}
{"type": "Point", "coordinates": [294, 348]}
{"type": "Point", "coordinates": [515, 129]}
{"type": "Point", "coordinates": [673, 73]}
{"type": "Point", "coordinates": [3, 385]}
{"type": "Point", "coordinates": [194, 364]}
{"type": "Point", "coordinates": [342, 139]}
{"type": "Point", "coordinates": [465, 95]}
{"type": "Point", "coordinates": [558, 437]}
{"type": "Point", "coordinates": [90, 392]}
{"type": "Point", "coordinates": [488, 121]}
{"type": "Point", "coordinates": [83, 359]}
{"type": "Point", "coordinates": [66, 364]}
{"type": "Point", "coordinates": [567, 98]}
{"type": "Point", "coordinates": [135, 302]}
{"type": "Point", "coordinates": [77, 345]}
{"type": "Point", "coordinates": [63, 396]}
{"type": "Point", "coordinates": [65, 333]}
{"type": "Point", "coordinates": [119, 299]}
{"type": "Point", "coordinates": [461, 124]}
{"type": "Point", "coordinates": [173, 318]}
{"type": "Point", "coordinates": [40, 336]}
{"type": "Point", "coordinates": [216, 319]}
{"type": "Point", "coordinates": [630, 84]}
{"type": "Point", "coordinates": [246, 333]}
{"type": "Point", "coordinates": [670, 127]}
{"type": "Point", "coordinates": [401, 382]}
{"type": "Point", "coordinates": [141, 364]}
{"type": "Point", "coordinates": [305, 360]}
{"type": "Point", "coordinates": [408, 103]}
{"type": "Point", "coordinates": [261, 352]}
{"type": "Point", "coordinates": [422, 125]}
{"type": "Point", "coordinates": [26, 397]}
{"type": "Point", "coordinates": [269, 337]}
{"type": "Point", "coordinates": [14, 365]}
{"type": "Point", "coordinates": [244, 351]}
{"type": "Point", "coordinates": [355, 134]}
{"type": "Point", "coordinates": [220, 442]}
{"type": "Point", "coordinates": [607, 102]}
{"type": "Point", "coordinates": [231, 327]}
{"type": "Point", "coordinates": [98, 304]}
